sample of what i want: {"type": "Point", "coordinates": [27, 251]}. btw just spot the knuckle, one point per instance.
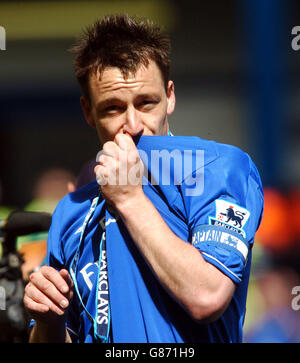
{"type": "Point", "coordinates": [102, 158]}
{"type": "Point", "coordinates": [108, 146]}
{"type": "Point", "coordinates": [32, 276]}
{"type": "Point", "coordinates": [45, 270]}
{"type": "Point", "coordinates": [34, 279]}
{"type": "Point", "coordinates": [47, 286]}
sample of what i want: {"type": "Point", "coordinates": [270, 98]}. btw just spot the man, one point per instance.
{"type": "Point", "coordinates": [148, 263]}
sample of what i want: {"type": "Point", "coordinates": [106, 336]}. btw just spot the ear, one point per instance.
{"type": "Point", "coordinates": [86, 109]}
{"type": "Point", "coordinates": [171, 98]}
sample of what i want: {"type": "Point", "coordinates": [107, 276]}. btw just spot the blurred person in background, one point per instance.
{"type": "Point", "coordinates": [280, 320]}
{"type": "Point", "coordinates": [50, 187]}
{"type": "Point", "coordinates": [276, 271]}
{"type": "Point", "coordinates": [140, 263]}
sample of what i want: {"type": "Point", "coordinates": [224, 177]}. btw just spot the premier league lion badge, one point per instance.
{"type": "Point", "coordinates": [231, 216]}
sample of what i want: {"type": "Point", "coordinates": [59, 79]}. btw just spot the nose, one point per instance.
{"type": "Point", "coordinates": [133, 124]}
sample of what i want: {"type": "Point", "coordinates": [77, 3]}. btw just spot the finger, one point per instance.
{"type": "Point", "coordinates": [107, 162]}
{"type": "Point", "coordinates": [110, 149]}
{"type": "Point", "coordinates": [49, 289]}
{"type": "Point", "coordinates": [43, 302]}
{"type": "Point", "coordinates": [33, 306]}
{"type": "Point", "coordinates": [124, 141]}
{"type": "Point", "coordinates": [104, 159]}
{"type": "Point", "coordinates": [66, 276]}
{"type": "Point", "coordinates": [54, 276]}
{"type": "Point", "coordinates": [100, 177]}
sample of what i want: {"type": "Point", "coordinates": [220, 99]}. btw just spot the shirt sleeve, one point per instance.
{"type": "Point", "coordinates": [224, 217]}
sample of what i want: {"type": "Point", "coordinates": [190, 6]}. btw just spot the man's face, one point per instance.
{"type": "Point", "coordinates": [138, 105]}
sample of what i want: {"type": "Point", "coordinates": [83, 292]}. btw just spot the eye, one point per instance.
{"type": "Point", "coordinates": [148, 104]}
{"type": "Point", "coordinates": [111, 108]}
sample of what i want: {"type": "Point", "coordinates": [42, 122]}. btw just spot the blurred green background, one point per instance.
{"type": "Point", "coordinates": [237, 81]}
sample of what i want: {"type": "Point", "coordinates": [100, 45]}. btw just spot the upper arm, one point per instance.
{"type": "Point", "coordinates": [223, 221]}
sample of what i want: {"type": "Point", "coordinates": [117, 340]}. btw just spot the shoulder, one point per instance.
{"type": "Point", "coordinates": [237, 165]}
{"type": "Point", "coordinates": [230, 161]}
{"type": "Point", "coordinates": [74, 204]}
{"type": "Point", "coordinates": [214, 152]}
{"type": "Point", "coordinates": [227, 173]}
{"type": "Point", "coordinates": [233, 154]}
{"type": "Point", "coordinates": [79, 196]}
{"type": "Point", "coordinates": [67, 219]}
{"type": "Point", "coordinates": [221, 162]}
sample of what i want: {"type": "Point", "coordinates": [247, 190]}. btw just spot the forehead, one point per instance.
{"type": "Point", "coordinates": [112, 81]}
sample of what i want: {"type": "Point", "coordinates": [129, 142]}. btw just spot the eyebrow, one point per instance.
{"type": "Point", "coordinates": [148, 95]}
{"type": "Point", "coordinates": [109, 101]}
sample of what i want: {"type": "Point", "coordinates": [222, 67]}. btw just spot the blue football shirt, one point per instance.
{"type": "Point", "coordinates": [213, 200]}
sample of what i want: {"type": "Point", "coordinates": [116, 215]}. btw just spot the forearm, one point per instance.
{"type": "Point", "coordinates": [178, 265]}
{"type": "Point", "coordinates": [42, 333]}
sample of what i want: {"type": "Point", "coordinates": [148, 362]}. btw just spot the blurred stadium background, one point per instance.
{"type": "Point", "coordinates": [237, 81]}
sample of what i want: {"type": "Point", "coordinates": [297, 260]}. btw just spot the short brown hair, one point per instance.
{"type": "Point", "coordinates": [120, 41]}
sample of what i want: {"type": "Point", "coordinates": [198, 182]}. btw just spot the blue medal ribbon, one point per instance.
{"type": "Point", "coordinates": [101, 322]}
